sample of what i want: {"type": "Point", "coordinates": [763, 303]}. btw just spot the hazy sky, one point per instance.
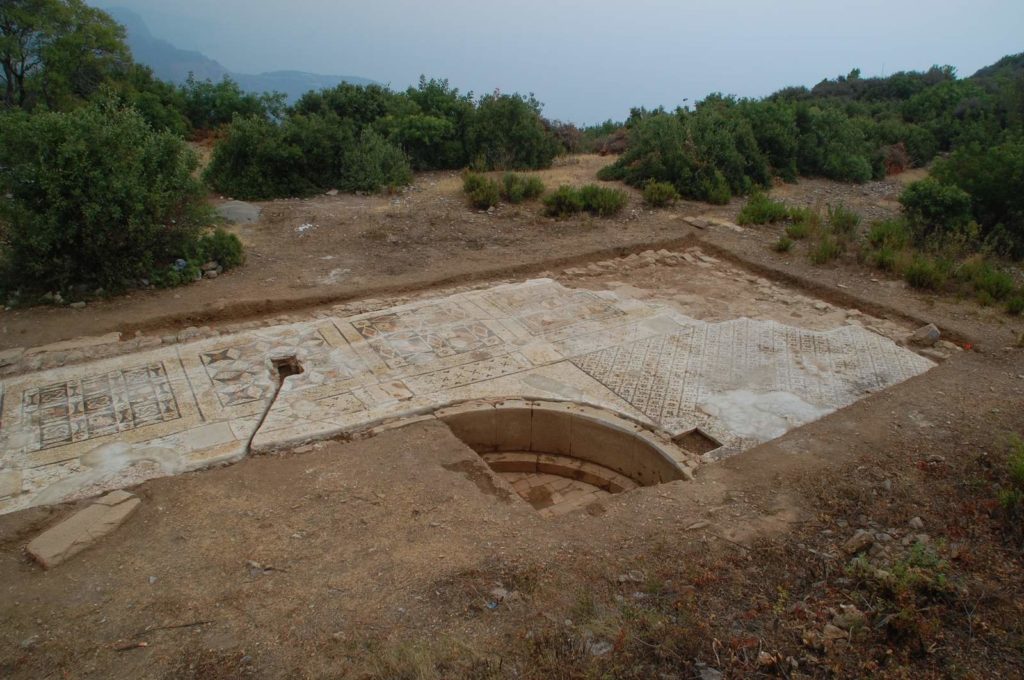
{"type": "Point", "coordinates": [589, 61]}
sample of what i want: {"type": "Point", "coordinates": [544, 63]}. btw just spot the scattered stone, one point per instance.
{"type": "Point", "coordinates": [599, 648]}
{"type": "Point", "coordinates": [239, 212]}
{"type": "Point", "coordinates": [925, 336]}
{"type": "Point", "coordinates": [9, 357]}
{"type": "Point", "coordinates": [77, 305]}
{"type": "Point", "coordinates": [332, 192]}
{"type": "Point", "coordinates": [812, 639]}
{"type": "Point", "coordinates": [634, 576]}
{"type": "Point", "coordinates": [765, 660]}
{"type": "Point", "coordinates": [916, 523]}
{"type": "Point", "coordinates": [699, 222]}
{"type": "Point", "coordinates": [706, 673]}
{"type": "Point", "coordinates": [822, 306]}
{"type": "Point", "coordinates": [849, 617]}
{"type": "Point", "coordinates": [831, 633]}
{"type": "Point", "coordinates": [209, 266]}
{"type": "Point", "coordinates": [65, 540]}
{"type": "Point", "coordinates": [211, 274]}
{"type": "Point", "coordinates": [934, 354]}
{"type": "Point", "coordinates": [859, 542]}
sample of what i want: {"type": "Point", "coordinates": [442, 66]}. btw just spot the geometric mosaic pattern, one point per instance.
{"type": "Point", "coordinates": [99, 405]}
{"type": "Point", "coordinates": [667, 377]}
{"type": "Point", "coordinates": [67, 430]}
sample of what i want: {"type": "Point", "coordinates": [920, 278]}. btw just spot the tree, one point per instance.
{"type": "Point", "coordinates": [95, 196]}
{"type": "Point", "coordinates": [54, 51]}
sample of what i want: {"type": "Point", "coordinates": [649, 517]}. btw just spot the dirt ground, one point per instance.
{"type": "Point", "coordinates": [403, 556]}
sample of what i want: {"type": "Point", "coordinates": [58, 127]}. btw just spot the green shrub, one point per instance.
{"type": "Point", "coordinates": [508, 133]}
{"type": "Point", "coordinates": [926, 273]}
{"type": "Point", "coordinates": [1011, 496]}
{"type": "Point", "coordinates": [374, 164]}
{"type": "Point", "coordinates": [808, 215]}
{"type": "Point", "coordinates": [885, 258]}
{"type": "Point", "coordinates": [892, 234]}
{"type": "Point", "coordinates": [305, 154]}
{"type": "Point", "coordinates": [563, 202]}
{"type": "Point", "coordinates": [1015, 305]}
{"type": "Point", "coordinates": [660, 194]}
{"type": "Point", "coordinates": [222, 247]}
{"type": "Point", "coordinates": [602, 201]}
{"type": "Point", "coordinates": [992, 176]}
{"type": "Point", "coordinates": [209, 105]}
{"type": "Point", "coordinates": [984, 278]}
{"type": "Point", "coordinates": [799, 230]}
{"type": "Point", "coordinates": [783, 245]}
{"type": "Point", "coordinates": [95, 196]}
{"type": "Point", "coordinates": [471, 181]}
{"type": "Point", "coordinates": [486, 195]}
{"type": "Point", "coordinates": [762, 210]}
{"type": "Point", "coordinates": [517, 188]}
{"type": "Point", "coordinates": [826, 249]}
{"type": "Point", "coordinates": [843, 220]}
{"type": "Point", "coordinates": [935, 210]}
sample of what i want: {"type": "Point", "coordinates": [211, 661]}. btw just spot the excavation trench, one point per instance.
{"type": "Point", "coordinates": [561, 457]}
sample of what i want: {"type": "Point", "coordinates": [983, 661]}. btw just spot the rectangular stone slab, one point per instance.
{"type": "Point", "coordinates": [65, 540]}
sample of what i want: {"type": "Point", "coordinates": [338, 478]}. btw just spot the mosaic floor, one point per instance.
{"type": "Point", "coordinates": [74, 432]}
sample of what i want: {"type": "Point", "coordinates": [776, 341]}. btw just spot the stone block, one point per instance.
{"type": "Point", "coordinates": [65, 540]}
{"type": "Point", "coordinates": [552, 431]}
{"type": "Point", "coordinates": [511, 462]}
{"type": "Point", "coordinates": [473, 424]}
{"type": "Point", "coordinates": [512, 428]}
{"type": "Point", "coordinates": [10, 483]}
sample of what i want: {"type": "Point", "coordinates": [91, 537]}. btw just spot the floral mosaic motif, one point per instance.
{"type": "Point", "coordinates": [400, 343]}
{"type": "Point", "coordinates": [100, 405]}
{"type": "Point", "coordinates": [236, 378]}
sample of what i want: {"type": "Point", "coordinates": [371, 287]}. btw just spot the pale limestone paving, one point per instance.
{"type": "Point", "coordinates": [65, 540]}
{"type": "Point", "coordinates": [76, 431]}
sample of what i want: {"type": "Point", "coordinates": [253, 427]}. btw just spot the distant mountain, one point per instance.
{"type": "Point", "coordinates": [174, 64]}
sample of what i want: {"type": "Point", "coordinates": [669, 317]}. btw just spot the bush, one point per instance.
{"type": "Point", "coordinates": [471, 181]}
{"type": "Point", "coordinates": [221, 247]}
{"type": "Point", "coordinates": [799, 230]}
{"type": "Point", "coordinates": [660, 194]}
{"type": "Point", "coordinates": [374, 164]}
{"type": "Point", "coordinates": [507, 133]}
{"type": "Point", "coordinates": [843, 220]}
{"type": "Point", "coordinates": [762, 210]}
{"type": "Point", "coordinates": [986, 279]}
{"type": "Point", "coordinates": [926, 273]}
{"type": "Point", "coordinates": [485, 194]}
{"type": "Point", "coordinates": [305, 154]}
{"type": "Point", "coordinates": [563, 202]}
{"type": "Point", "coordinates": [1015, 305]}
{"type": "Point", "coordinates": [783, 245]}
{"type": "Point", "coordinates": [517, 188]}
{"type": "Point", "coordinates": [1011, 496]}
{"type": "Point", "coordinates": [95, 197]}
{"type": "Point", "coordinates": [935, 211]}
{"type": "Point", "coordinates": [209, 105]}
{"type": "Point", "coordinates": [602, 201]}
{"type": "Point", "coordinates": [991, 177]}
{"type": "Point", "coordinates": [826, 249]}
{"type": "Point", "coordinates": [892, 234]}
